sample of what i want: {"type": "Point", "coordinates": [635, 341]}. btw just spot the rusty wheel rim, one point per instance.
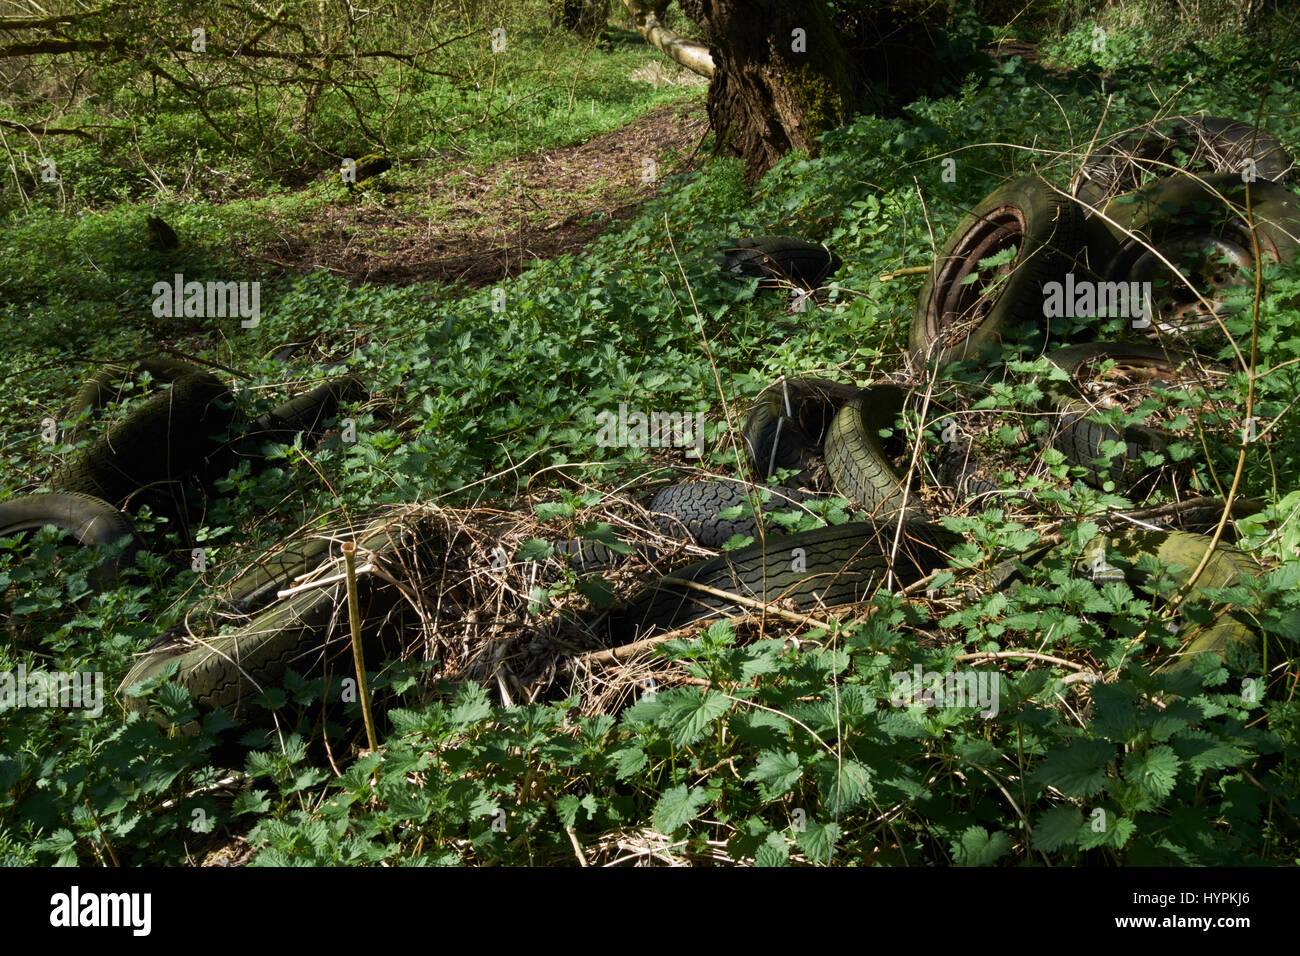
{"type": "Point", "coordinates": [960, 305]}
{"type": "Point", "coordinates": [1217, 266]}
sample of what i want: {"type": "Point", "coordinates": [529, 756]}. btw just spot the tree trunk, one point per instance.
{"type": "Point", "coordinates": [781, 76]}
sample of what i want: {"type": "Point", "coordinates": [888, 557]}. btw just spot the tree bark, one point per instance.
{"type": "Point", "coordinates": [781, 77]}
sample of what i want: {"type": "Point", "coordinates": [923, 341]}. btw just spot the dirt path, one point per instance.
{"type": "Point", "coordinates": [477, 225]}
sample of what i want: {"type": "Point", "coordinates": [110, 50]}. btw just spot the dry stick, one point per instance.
{"type": "Point", "coordinates": [1032, 655]}
{"type": "Point", "coordinates": [909, 271]}
{"type": "Point", "coordinates": [354, 620]}
{"type": "Point", "coordinates": [107, 846]}
{"type": "Point", "coordinates": [332, 579]}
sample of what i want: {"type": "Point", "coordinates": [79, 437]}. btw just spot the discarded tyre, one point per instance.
{"type": "Point", "coordinates": [694, 509]}
{"type": "Point", "coordinates": [858, 457]}
{"type": "Point", "coordinates": [787, 425]}
{"type": "Point", "coordinates": [1027, 234]}
{"type": "Point", "coordinates": [1136, 366]}
{"type": "Point", "coordinates": [1187, 222]}
{"type": "Point", "coordinates": [1200, 144]}
{"type": "Point", "coordinates": [1227, 567]}
{"type": "Point", "coordinates": [304, 630]}
{"type": "Point", "coordinates": [89, 521]}
{"type": "Point", "coordinates": [836, 565]}
{"type": "Point", "coordinates": [170, 436]}
{"type": "Point", "coordinates": [307, 413]}
{"type": "Point", "coordinates": [107, 382]}
{"type": "Point", "coordinates": [781, 260]}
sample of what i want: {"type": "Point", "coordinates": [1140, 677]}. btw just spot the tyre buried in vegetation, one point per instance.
{"type": "Point", "coordinates": [307, 413]}
{"type": "Point", "coordinates": [779, 261]}
{"type": "Point", "coordinates": [858, 457]}
{"type": "Point", "coordinates": [787, 425]}
{"type": "Point", "coordinates": [1082, 440]}
{"type": "Point", "coordinates": [836, 565]}
{"type": "Point", "coordinates": [168, 437]}
{"type": "Point", "coordinates": [1037, 234]}
{"type": "Point", "coordinates": [693, 510]}
{"type": "Point", "coordinates": [303, 630]}
{"type": "Point", "coordinates": [90, 521]}
{"type": "Point", "coordinates": [107, 382]}
{"type": "Point", "coordinates": [1208, 144]}
{"type": "Point", "coordinates": [1183, 551]}
{"type": "Point", "coordinates": [1187, 222]}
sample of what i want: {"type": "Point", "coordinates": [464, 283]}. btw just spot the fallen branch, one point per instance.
{"type": "Point", "coordinates": [691, 54]}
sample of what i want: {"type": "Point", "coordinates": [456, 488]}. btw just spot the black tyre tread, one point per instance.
{"type": "Point", "coordinates": [1081, 440]}
{"type": "Point", "coordinates": [1056, 234]}
{"type": "Point", "coordinates": [786, 426]}
{"type": "Point", "coordinates": [843, 564]}
{"type": "Point", "coordinates": [167, 437]}
{"type": "Point", "coordinates": [959, 471]}
{"type": "Point", "coordinates": [780, 259]}
{"type": "Point", "coordinates": [107, 383]}
{"type": "Point", "coordinates": [90, 520]}
{"type": "Point", "coordinates": [257, 586]}
{"type": "Point", "coordinates": [1107, 171]}
{"type": "Point", "coordinates": [282, 634]}
{"type": "Point", "coordinates": [587, 557]}
{"type": "Point", "coordinates": [691, 510]}
{"type": "Point", "coordinates": [859, 467]}
{"type": "Point", "coordinates": [262, 649]}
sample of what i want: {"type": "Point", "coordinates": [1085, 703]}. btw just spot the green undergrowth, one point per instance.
{"type": "Point", "coordinates": [778, 751]}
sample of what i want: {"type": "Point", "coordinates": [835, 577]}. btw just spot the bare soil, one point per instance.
{"type": "Point", "coordinates": [479, 224]}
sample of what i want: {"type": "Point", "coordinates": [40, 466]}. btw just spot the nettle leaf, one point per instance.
{"type": "Point", "coordinates": [604, 533]}
{"type": "Point", "coordinates": [1154, 770]}
{"type": "Point", "coordinates": [773, 851]}
{"type": "Point", "coordinates": [817, 841]}
{"type": "Point", "coordinates": [566, 808]}
{"type": "Point", "coordinates": [628, 761]}
{"type": "Point", "coordinates": [471, 705]}
{"type": "Point", "coordinates": [535, 549]}
{"type": "Point", "coordinates": [689, 714]}
{"type": "Point", "coordinates": [1106, 829]}
{"type": "Point", "coordinates": [844, 786]}
{"type": "Point", "coordinates": [678, 807]}
{"type": "Point", "coordinates": [1202, 751]}
{"type": "Point", "coordinates": [1056, 828]}
{"type": "Point", "coordinates": [776, 771]}
{"type": "Point", "coordinates": [546, 510]}
{"type": "Point", "coordinates": [978, 848]}
{"type": "Point", "coordinates": [1078, 769]}
{"type": "Point", "coordinates": [598, 590]}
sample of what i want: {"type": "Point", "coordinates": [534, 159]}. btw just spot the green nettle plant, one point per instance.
{"type": "Point", "coordinates": [1014, 708]}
